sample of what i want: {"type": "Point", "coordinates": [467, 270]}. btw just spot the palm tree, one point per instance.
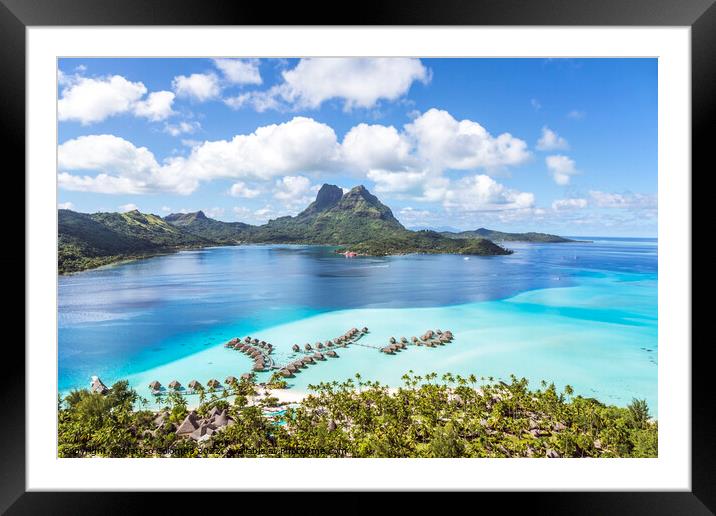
{"type": "Point", "coordinates": [639, 412]}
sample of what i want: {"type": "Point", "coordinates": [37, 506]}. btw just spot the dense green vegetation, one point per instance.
{"type": "Point", "coordinates": [198, 223]}
{"type": "Point", "coordinates": [86, 241]}
{"type": "Point", "coordinates": [356, 221]}
{"type": "Point", "coordinates": [507, 237]}
{"type": "Point", "coordinates": [453, 417]}
{"type": "Point", "coordinates": [426, 242]}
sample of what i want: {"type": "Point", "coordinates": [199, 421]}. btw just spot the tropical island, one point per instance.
{"type": "Point", "coordinates": [426, 417]}
{"type": "Point", "coordinates": [355, 221]}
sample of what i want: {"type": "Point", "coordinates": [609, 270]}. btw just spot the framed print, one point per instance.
{"type": "Point", "coordinates": [435, 250]}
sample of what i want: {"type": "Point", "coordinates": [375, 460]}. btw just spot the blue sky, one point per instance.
{"type": "Point", "coordinates": [560, 145]}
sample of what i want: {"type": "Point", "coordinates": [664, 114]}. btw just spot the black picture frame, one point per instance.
{"type": "Point", "coordinates": [700, 15]}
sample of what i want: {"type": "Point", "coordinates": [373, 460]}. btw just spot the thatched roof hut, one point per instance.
{"type": "Point", "coordinates": [189, 424]}
{"type": "Point", "coordinates": [286, 373]}
{"type": "Point", "coordinates": [254, 341]}
{"type": "Point", "coordinates": [258, 367]}
{"type": "Point", "coordinates": [403, 340]}
{"type": "Point", "coordinates": [439, 331]}
{"type": "Point", "coordinates": [222, 419]}
{"type": "Point", "coordinates": [307, 347]}
{"type": "Point", "coordinates": [97, 386]}
{"type": "Point", "coordinates": [318, 356]}
{"type": "Point", "coordinates": [247, 376]}
{"type": "Point", "coordinates": [155, 385]}
{"type": "Point", "coordinates": [365, 329]}
{"type": "Point", "coordinates": [174, 384]}
{"type": "Point", "coordinates": [307, 360]}
{"type": "Point", "coordinates": [391, 340]}
{"type": "Point", "coordinates": [387, 351]}
{"type": "Point", "coordinates": [194, 385]}
{"type": "Point", "coordinates": [319, 345]}
{"type": "Point", "coordinates": [329, 343]}
{"type": "Point", "coordinates": [295, 347]}
{"type": "Point", "coordinates": [247, 340]}
{"type": "Point", "coordinates": [331, 353]}
{"type": "Point", "coordinates": [230, 380]}
{"type": "Point", "coordinates": [262, 343]}
{"type": "Point", "coordinates": [213, 383]}
{"type": "Point", "coordinates": [414, 339]}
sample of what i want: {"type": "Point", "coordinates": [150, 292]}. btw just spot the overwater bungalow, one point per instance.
{"type": "Point", "coordinates": [175, 385]}
{"type": "Point", "coordinates": [247, 340]}
{"type": "Point", "coordinates": [439, 331]}
{"type": "Point", "coordinates": [331, 353]}
{"type": "Point", "coordinates": [254, 341]}
{"type": "Point", "coordinates": [403, 340]}
{"type": "Point", "coordinates": [258, 367]}
{"type": "Point", "coordinates": [329, 343]}
{"type": "Point", "coordinates": [387, 351]}
{"type": "Point", "coordinates": [155, 386]}
{"type": "Point", "coordinates": [263, 343]}
{"type": "Point", "coordinates": [318, 356]}
{"type": "Point", "coordinates": [391, 340]}
{"type": "Point", "coordinates": [365, 329]}
{"type": "Point", "coordinates": [307, 360]}
{"type": "Point", "coordinates": [286, 373]}
{"type": "Point", "coordinates": [194, 385]}
{"type": "Point", "coordinates": [299, 364]}
{"type": "Point", "coordinates": [307, 347]}
{"type": "Point", "coordinates": [230, 380]}
{"type": "Point", "coordinates": [295, 348]}
{"type": "Point", "coordinates": [247, 376]}
{"type": "Point", "coordinates": [213, 383]}
{"type": "Point", "coordinates": [414, 339]}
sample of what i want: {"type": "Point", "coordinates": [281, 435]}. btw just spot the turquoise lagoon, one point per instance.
{"type": "Point", "coordinates": [583, 314]}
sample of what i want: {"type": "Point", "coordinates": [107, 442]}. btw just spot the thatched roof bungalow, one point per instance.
{"type": "Point", "coordinates": [174, 384]}
{"type": "Point", "coordinates": [391, 340]}
{"type": "Point", "coordinates": [189, 425]}
{"type": "Point", "coordinates": [331, 353]}
{"type": "Point", "coordinates": [97, 386]}
{"type": "Point", "coordinates": [318, 356]}
{"type": "Point", "coordinates": [286, 373]}
{"type": "Point", "coordinates": [230, 380]}
{"type": "Point", "coordinates": [295, 348]}
{"type": "Point", "coordinates": [387, 351]}
{"type": "Point", "coordinates": [247, 340]}
{"type": "Point", "coordinates": [213, 383]}
{"type": "Point", "coordinates": [155, 385]}
{"type": "Point", "coordinates": [307, 347]}
{"type": "Point", "coordinates": [194, 385]}
{"type": "Point", "coordinates": [365, 329]}
{"type": "Point", "coordinates": [247, 376]}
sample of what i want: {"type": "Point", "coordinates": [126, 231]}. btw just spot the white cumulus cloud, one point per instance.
{"type": "Point", "coordinates": [482, 193]}
{"type": "Point", "coordinates": [90, 100]}
{"type": "Point", "coordinates": [157, 106]}
{"type": "Point", "coordinates": [356, 82]}
{"type": "Point", "coordinates": [444, 142]}
{"type": "Point", "coordinates": [562, 168]}
{"type": "Point", "coordinates": [197, 86]}
{"type": "Point", "coordinates": [239, 71]}
{"type": "Point", "coordinates": [550, 140]}
{"type": "Point", "coordinates": [128, 207]}
{"type": "Point", "coordinates": [241, 189]}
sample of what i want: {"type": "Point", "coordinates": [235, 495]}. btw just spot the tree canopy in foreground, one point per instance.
{"type": "Point", "coordinates": [427, 417]}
